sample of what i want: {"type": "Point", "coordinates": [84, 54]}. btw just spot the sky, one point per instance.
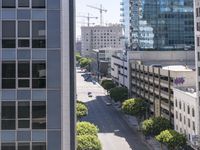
{"type": "Point", "coordinates": [112, 15]}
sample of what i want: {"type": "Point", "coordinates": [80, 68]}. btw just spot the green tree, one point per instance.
{"type": "Point", "coordinates": [81, 110]}
{"type": "Point", "coordinates": [85, 62]}
{"type": "Point", "coordinates": [86, 128]}
{"type": "Point", "coordinates": [88, 142]}
{"type": "Point", "coordinates": [173, 139]}
{"type": "Point", "coordinates": [155, 125]}
{"type": "Point", "coordinates": [78, 57]}
{"type": "Point", "coordinates": [135, 106]}
{"type": "Point", "coordinates": [119, 94]}
{"type": "Point", "coordinates": [108, 84]}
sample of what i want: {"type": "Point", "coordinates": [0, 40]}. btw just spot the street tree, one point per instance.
{"type": "Point", "coordinates": [154, 125]}
{"type": "Point", "coordinates": [135, 106]}
{"type": "Point", "coordinates": [81, 110]}
{"type": "Point", "coordinates": [78, 57]}
{"type": "Point", "coordinates": [86, 128]}
{"type": "Point", "coordinates": [108, 84]}
{"type": "Point", "coordinates": [85, 62]}
{"type": "Point", "coordinates": [119, 94]}
{"type": "Point", "coordinates": [88, 142]}
{"type": "Point", "coordinates": [173, 139]}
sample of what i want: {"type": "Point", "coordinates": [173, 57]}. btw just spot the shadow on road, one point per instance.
{"type": "Point", "coordinates": [110, 120]}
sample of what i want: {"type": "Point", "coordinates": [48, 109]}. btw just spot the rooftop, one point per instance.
{"type": "Point", "coordinates": [191, 91]}
{"type": "Point", "coordinates": [178, 68]}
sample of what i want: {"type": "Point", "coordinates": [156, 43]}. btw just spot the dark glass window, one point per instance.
{"type": "Point", "coordinates": [38, 115]}
{"type": "Point", "coordinates": [8, 34]}
{"type": "Point", "coordinates": [23, 69]}
{"type": "Point", "coordinates": [8, 110]}
{"type": "Point", "coordinates": [23, 110]}
{"type": "Point", "coordinates": [23, 83]}
{"type": "Point", "coordinates": [38, 74]}
{"type": "Point", "coordinates": [8, 146]}
{"type": "Point", "coordinates": [8, 115]}
{"type": "Point", "coordinates": [23, 3]}
{"type": "Point", "coordinates": [23, 43]}
{"type": "Point", "coordinates": [38, 43]}
{"type": "Point", "coordinates": [24, 124]}
{"type": "Point", "coordinates": [8, 70]}
{"type": "Point", "coordinates": [8, 43]}
{"type": "Point", "coordinates": [23, 29]}
{"type": "Point", "coordinates": [38, 146]}
{"type": "Point", "coordinates": [38, 34]}
{"type": "Point", "coordinates": [8, 75]}
{"type": "Point", "coordinates": [8, 3]}
{"type": "Point", "coordinates": [23, 115]}
{"type": "Point", "coordinates": [8, 29]}
{"type": "Point", "coordinates": [38, 3]}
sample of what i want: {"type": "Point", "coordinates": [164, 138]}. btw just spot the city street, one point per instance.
{"type": "Point", "coordinates": [115, 133]}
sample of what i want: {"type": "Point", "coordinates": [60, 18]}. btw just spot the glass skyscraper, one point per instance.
{"type": "Point", "coordinates": [158, 24]}
{"type": "Point", "coordinates": [37, 75]}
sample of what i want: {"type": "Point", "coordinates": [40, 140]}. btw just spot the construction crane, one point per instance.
{"type": "Point", "coordinates": [88, 18]}
{"type": "Point", "coordinates": [101, 10]}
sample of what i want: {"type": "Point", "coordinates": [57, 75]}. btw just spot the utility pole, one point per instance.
{"type": "Point", "coordinates": [88, 17]}
{"type": "Point", "coordinates": [101, 10]}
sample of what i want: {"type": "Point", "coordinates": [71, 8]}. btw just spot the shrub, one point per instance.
{"type": "Point", "coordinates": [88, 142]}
{"type": "Point", "coordinates": [81, 110]}
{"type": "Point", "coordinates": [86, 128]}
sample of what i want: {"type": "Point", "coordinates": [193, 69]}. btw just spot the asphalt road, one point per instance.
{"type": "Point", "coordinates": [115, 133]}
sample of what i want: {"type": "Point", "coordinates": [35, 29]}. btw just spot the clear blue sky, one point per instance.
{"type": "Point", "coordinates": [112, 15]}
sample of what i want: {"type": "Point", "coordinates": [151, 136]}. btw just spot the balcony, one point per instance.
{"type": "Point", "coordinates": [164, 94]}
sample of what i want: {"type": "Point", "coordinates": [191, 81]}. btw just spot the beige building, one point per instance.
{"type": "Point", "coordinates": [97, 37]}
{"type": "Point", "coordinates": [155, 84]}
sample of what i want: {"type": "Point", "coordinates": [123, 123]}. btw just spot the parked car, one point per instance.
{"type": "Point", "coordinates": [89, 94]}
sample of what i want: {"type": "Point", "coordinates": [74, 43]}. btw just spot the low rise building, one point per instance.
{"type": "Point", "coordinates": [101, 61]}
{"type": "Point", "coordinates": [186, 120]}
{"type": "Point", "coordinates": [121, 62]}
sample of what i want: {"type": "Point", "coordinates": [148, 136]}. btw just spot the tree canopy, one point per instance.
{"type": "Point", "coordinates": [81, 110]}
{"type": "Point", "coordinates": [78, 57]}
{"type": "Point", "coordinates": [172, 139]}
{"type": "Point", "coordinates": [86, 128]}
{"type": "Point", "coordinates": [107, 84]}
{"type": "Point", "coordinates": [84, 62]}
{"type": "Point", "coordinates": [119, 94]}
{"type": "Point", "coordinates": [155, 125]}
{"type": "Point", "coordinates": [135, 106]}
{"type": "Point", "coordinates": [88, 142]}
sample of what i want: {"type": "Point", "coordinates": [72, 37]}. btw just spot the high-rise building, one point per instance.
{"type": "Point", "coordinates": [100, 37]}
{"type": "Point", "coordinates": [158, 24]}
{"type": "Point", "coordinates": [37, 75]}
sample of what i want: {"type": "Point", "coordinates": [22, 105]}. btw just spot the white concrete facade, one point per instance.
{"type": "Point", "coordinates": [100, 37]}
{"type": "Point", "coordinates": [186, 113]}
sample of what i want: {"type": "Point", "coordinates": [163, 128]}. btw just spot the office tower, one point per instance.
{"type": "Point", "coordinates": [158, 24]}
{"type": "Point", "coordinates": [37, 75]}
